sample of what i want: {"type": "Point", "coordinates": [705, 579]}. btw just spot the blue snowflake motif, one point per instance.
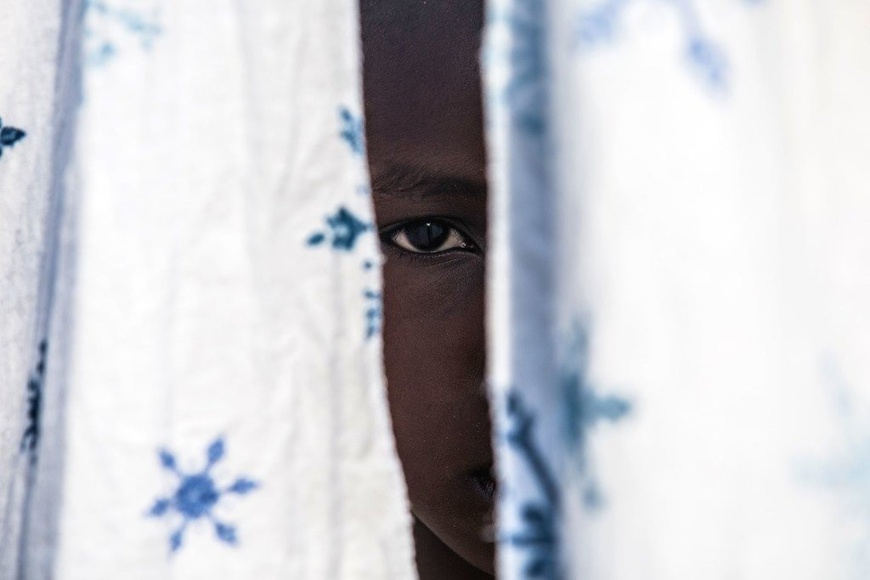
{"type": "Point", "coordinates": [584, 408]}
{"type": "Point", "coordinates": [705, 57]}
{"type": "Point", "coordinates": [197, 495]}
{"type": "Point", "coordinates": [344, 229]}
{"type": "Point", "coordinates": [850, 473]}
{"type": "Point", "coordinates": [101, 48]}
{"type": "Point", "coordinates": [539, 535]}
{"type": "Point", "coordinates": [9, 136]}
{"type": "Point", "coordinates": [352, 130]}
{"type": "Point", "coordinates": [30, 439]}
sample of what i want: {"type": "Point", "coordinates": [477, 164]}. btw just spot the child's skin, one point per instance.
{"type": "Point", "coordinates": [427, 161]}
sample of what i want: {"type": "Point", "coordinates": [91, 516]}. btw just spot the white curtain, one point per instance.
{"type": "Point", "coordinates": [681, 287]}
{"type": "Point", "coordinates": [213, 401]}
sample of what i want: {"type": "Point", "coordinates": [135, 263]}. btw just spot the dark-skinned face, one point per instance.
{"type": "Point", "coordinates": [426, 156]}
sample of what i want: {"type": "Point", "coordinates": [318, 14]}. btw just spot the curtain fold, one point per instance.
{"type": "Point", "coordinates": [38, 99]}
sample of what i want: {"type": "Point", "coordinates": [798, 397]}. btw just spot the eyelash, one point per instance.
{"type": "Point", "coordinates": [389, 234]}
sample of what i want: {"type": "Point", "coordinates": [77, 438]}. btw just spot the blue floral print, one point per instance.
{"type": "Point", "coordinates": [526, 92]}
{"type": "Point", "coordinates": [584, 408]}
{"type": "Point", "coordinates": [352, 130]}
{"type": "Point", "coordinates": [9, 136]}
{"type": "Point", "coordinates": [373, 313]}
{"type": "Point", "coordinates": [539, 535]}
{"type": "Point", "coordinates": [706, 58]}
{"type": "Point", "coordinates": [343, 229]}
{"type": "Point", "coordinates": [848, 474]}
{"type": "Point", "coordinates": [30, 439]}
{"type": "Point", "coordinates": [197, 495]}
{"type": "Point", "coordinates": [108, 24]}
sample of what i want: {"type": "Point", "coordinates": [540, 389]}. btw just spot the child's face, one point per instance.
{"type": "Point", "coordinates": [426, 155]}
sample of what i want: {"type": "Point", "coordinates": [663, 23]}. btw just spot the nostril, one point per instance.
{"type": "Point", "coordinates": [484, 482]}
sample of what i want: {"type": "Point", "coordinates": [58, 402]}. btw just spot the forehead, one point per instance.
{"type": "Point", "coordinates": [422, 85]}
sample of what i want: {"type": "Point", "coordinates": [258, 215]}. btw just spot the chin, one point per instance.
{"type": "Point", "coordinates": [466, 524]}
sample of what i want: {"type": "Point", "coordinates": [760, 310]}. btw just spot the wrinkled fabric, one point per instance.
{"type": "Point", "coordinates": [38, 97]}
{"type": "Point", "coordinates": [704, 330]}
{"type": "Point", "coordinates": [213, 402]}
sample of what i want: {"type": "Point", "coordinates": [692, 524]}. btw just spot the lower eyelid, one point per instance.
{"type": "Point", "coordinates": [432, 259]}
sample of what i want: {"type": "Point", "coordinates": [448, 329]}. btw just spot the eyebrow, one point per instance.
{"type": "Point", "coordinates": [417, 182]}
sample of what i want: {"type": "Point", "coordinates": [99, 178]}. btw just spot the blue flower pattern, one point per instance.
{"type": "Point", "coordinates": [706, 58]}
{"type": "Point", "coordinates": [9, 136]}
{"type": "Point", "coordinates": [197, 495]}
{"type": "Point", "coordinates": [517, 53]}
{"type": "Point", "coordinates": [584, 409]}
{"type": "Point", "coordinates": [352, 131]}
{"type": "Point", "coordinates": [35, 383]}
{"type": "Point", "coordinates": [850, 473]}
{"type": "Point", "coordinates": [539, 517]}
{"type": "Point", "coordinates": [526, 93]}
{"type": "Point", "coordinates": [108, 24]}
{"type": "Point", "coordinates": [110, 27]}
{"type": "Point", "coordinates": [373, 312]}
{"type": "Point", "coordinates": [343, 228]}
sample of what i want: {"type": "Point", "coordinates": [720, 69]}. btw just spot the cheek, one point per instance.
{"type": "Point", "coordinates": [434, 352]}
{"type": "Point", "coordinates": [434, 327]}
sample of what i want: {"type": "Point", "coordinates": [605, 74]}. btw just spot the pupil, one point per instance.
{"type": "Point", "coordinates": [427, 236]}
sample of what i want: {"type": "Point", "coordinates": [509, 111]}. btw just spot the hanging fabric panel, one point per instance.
{"type": "Point", "coordinates": [218, 406]}
{"type": "Point", "coordinates": [522, 273]}
{"type": "Point", "coordinates": [708, 198]}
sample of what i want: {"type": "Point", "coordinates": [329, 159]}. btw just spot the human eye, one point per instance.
{"type": "Point", "coordinates": [428, 236]}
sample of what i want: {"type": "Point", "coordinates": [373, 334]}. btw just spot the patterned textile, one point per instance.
{"type": "Point", "coordinates": [680, 287]}
{"type": "Point", "coordinates": [212, 401]}
{"type": "Point", "coordinates": [37, 103]}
